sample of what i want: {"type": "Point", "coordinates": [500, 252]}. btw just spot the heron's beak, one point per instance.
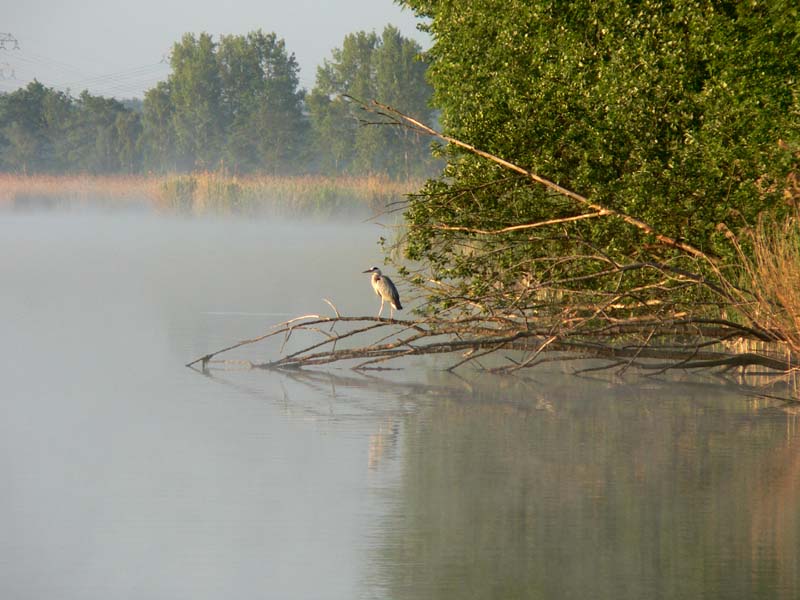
{"type": "Point", "coordinates": [367, 271]}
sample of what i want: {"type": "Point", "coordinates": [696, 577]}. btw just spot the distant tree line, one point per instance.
{"type": "Point", "coordinates": [233, 104]}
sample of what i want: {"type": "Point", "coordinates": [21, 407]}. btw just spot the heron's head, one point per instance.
{"type": "Point", "coordinates": [373, 270]}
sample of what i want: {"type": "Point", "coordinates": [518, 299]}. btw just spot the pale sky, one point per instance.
{"type": "Point", "coordinates": [116, 48]}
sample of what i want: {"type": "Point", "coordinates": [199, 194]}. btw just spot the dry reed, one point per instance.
{"type": "Point", "coordinates": [74, 191]}
{"type": "Point", "coordinates": [206, 193]}
{"type": "Point", "coordinates": [774, 273]}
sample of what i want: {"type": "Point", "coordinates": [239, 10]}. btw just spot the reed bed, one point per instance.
{"type": "Point", "coordinates": [207, 193]}
{"type": "Point", "coordinates": [25, 192]}
{"type": "Point", "coordinates": [773, 271]}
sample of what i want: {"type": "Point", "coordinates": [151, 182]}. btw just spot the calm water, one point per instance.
{"type": "Point", "coordinates": [127, 475]}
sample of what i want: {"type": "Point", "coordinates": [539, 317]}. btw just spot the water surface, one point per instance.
{"type": "Point", "coordinates": [129, 476]}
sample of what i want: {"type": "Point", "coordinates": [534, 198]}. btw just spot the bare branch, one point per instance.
{"type": "Point", "coordinates": [511, 228]}
{"type": "Point", "coordinates": [400, 118]}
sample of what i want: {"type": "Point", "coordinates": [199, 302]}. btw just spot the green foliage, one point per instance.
{"type": "Point", "coordinates": [672, 112]}
{"type": "Point", "coordinates": [128, 130]}
{"type": "Point", "coordinates": [29, 127]}
{"type": "Point", "coordinates": [98, 139]}
{"type": "Point", "coordinates": [262, 106]}
{"type": "Point", "coordinates": [234, 105]}
{"type": "Point", "coordinates": [158, 131]}
{"type": "Point", "coordinates": [43, 130]}
{"type": "Point", "coordinates": [386, 68]}
{"type": "Point", "coordinates": [195, 95]}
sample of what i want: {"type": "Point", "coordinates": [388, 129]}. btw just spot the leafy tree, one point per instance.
{"type": "Point", "coordinates": [129, 130]}
{"type": "Point", "coordinates": [333, 130]}
{"type": "Point", "coordinates": [349, 72]}
{"type": "Point", "coordinates": [93, 141]}
{"type": "Point", "coordinates": [685, 114]}
{"type": "Point", "coordinates": [195, 93]}
{"type": "Point", "coordinates": [400, 82]}
{"type": "Point", "coordinates": [386, 68]}
{"type": "Point", "coordinates": [159, 140]}
{"type": "Point", "coordinates": [44, 130]}
{"type": "Point", "coordinates": [32, 121]}
{"type": "Point", "coordinates": [235, 103]}
{"type": "Point", "coordinates": [21, 148]}
{"type": "Point", "coordinates": [242, 85]}
{"type": "Point", "coordinates": [261, 103]}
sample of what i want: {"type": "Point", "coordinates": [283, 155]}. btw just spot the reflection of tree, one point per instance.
{"type": "Point", "coordinates": [774, 522]}
{"type": "Point", "coordinates": [613, 493]}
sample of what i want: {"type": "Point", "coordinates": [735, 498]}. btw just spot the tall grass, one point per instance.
{"type": "Point", "coordinates": [207, 193]}
{"type": "Point", "coordinates": [773, 271]}
{"type": "Point", "coordinates": [74, 191]}
{"type": "Point", "coordinates": [214, 193]}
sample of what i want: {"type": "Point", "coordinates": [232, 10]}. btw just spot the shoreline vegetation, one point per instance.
{"type": "Point", "coordinates": [605, 187]}
{"type": "Point", "coordinates": [739, 319]}
{"type": "Point", "coordinates": [207, 193]}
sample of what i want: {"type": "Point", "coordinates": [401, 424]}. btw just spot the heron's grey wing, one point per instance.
{"type": "Point", "coordinates": [393, 293]}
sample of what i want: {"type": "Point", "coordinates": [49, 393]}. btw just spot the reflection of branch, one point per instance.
{"type": "Point", "coordinates": [746, 359]}
{"type": "Point", "coordinates": [280, 328]}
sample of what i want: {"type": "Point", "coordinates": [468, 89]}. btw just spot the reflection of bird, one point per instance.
{"type": "Point", "coordinates": [381, 442]}
{"type": "Point", "coordinates": [385, 289]}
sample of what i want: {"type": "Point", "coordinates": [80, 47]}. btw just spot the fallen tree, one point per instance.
{"type": "Point", "coordinates": [661, 324]}
{"type": "Point", "coordinates": [608, 165]}
{"type": "Point", "coordinates": [685, 344]}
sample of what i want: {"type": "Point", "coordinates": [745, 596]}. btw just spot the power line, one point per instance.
{"type": "Point", "coordinates": [65, 76]}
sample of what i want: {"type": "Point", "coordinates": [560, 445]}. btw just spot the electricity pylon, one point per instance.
{"type": "Point", "coordinates": [8, 39]}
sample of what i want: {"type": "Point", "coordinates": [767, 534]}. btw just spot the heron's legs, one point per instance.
{"type": "Point", "coordinates": [381, 310]}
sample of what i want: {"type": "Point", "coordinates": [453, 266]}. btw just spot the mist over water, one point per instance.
{"type": "Point", "coordinates": [128, 475]}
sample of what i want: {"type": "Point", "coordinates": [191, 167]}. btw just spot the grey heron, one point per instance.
{"type": "Point", "coordinates": [385, 290]}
